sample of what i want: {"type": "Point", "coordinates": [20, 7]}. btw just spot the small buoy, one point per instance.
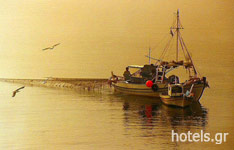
{"type": "Point", "coordinates": [149, 83]}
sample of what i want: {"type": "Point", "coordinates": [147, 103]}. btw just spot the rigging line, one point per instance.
{"type": "Point", "coordinates": [199, 73]}
{"type": "Point", "coordinates": [174, 21]}
{"type": "Point", "coordinates": [169, 47]}
{"type": "Point", "coordinates": [181, 44]}
{"type": "Point", "coordinates": [189, 56]}
{"type": "Point", "coordinates": [165, 37]}
{"type": "Point", "coordinates": [157, 45]}
{"type": "Point", "coordinates": [181, 24]}
{"type": "Point", "coordinates": [166, 48]}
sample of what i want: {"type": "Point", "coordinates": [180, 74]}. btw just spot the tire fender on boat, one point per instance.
{"type": "Point", "coordinates": [155, 87]}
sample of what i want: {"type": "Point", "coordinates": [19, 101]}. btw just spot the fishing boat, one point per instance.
{"type": "Point", "coordinates": [176, 96]}
{"type": "Point", "coordinates": [153, 79]}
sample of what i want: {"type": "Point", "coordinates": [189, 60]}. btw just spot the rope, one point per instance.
{"type": "Point", "coordinates": [189, 56]}
{"type": "Point", "coordinates": [165, 49]}
{"type": "Point", "coordinates": [181, 44]}
{"type": "Point", "coordinates": [169, 48]}
{"type": "Point", "coordinates": [168, 44]}
{"type": "Point", "coordinates": [157, 45]}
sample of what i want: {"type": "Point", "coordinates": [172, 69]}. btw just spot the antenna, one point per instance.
{"type": "Point", "coordinates": [149, 55]}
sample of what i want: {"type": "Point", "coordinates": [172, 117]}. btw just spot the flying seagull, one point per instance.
{"type": "Point", "coordinates": [51, 47]}
{"type": "Point", "coordinates": [16, 91]}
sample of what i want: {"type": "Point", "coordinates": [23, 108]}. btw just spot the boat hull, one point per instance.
{"type": "Point", "coordinates": [143, 90]}
{"type": "Point", "coordinates": [176, 101]}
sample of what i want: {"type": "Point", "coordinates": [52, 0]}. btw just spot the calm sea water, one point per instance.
{"type": "Point", "coordinates": [47, 118]}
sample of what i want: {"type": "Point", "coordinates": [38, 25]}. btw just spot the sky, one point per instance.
{"type": "Point", "coordinates": [100, 36]}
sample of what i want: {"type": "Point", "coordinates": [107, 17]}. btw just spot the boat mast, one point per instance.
{"type": "Point", "coordinates": [180, 39]}
{"type": "Point", "coordinates": [177, 32]}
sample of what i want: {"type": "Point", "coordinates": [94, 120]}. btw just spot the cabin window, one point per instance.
{"type": "Point", "coordinates": [177, 89]}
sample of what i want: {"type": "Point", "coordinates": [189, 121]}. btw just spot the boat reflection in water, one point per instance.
{"type": "Point", "coordinates": [154, 111]}
{"type": "Point", "coordinates": [151, 119]}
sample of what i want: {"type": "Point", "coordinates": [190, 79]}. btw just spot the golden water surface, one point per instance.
{"type": "Point", "coordinates": [98, 36]}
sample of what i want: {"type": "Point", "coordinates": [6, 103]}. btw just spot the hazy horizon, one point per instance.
{"type": "Point", "coordinates": [100, 36]}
